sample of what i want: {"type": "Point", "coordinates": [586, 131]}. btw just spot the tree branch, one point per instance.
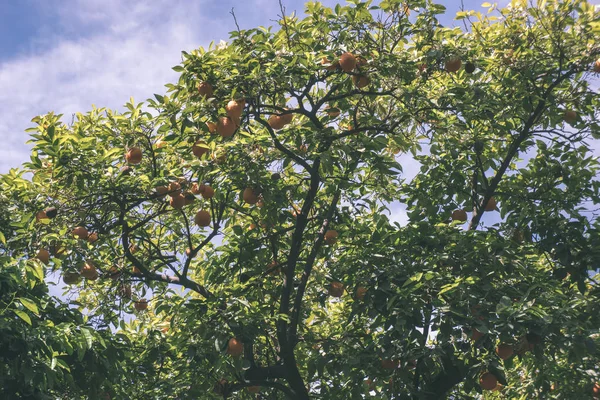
{"type": "Point", "coordinates": [280, 145]}
{"type": "Point", "coordinates": [514, 148]}
{"type": "Point", "coordinates": [287, 349]}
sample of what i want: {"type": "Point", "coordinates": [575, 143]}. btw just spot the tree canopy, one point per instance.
{"type": "Point", "coordinates": [238, 236]}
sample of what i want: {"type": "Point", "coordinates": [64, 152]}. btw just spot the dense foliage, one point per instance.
{"type": "Point", "coordinates": [236, 233]}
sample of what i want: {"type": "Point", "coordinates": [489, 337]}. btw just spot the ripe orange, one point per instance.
{"type": "Point", "coordinates": [570, 116]}
{"type": "Point", "coordinates": [174, 188]}
{"type": "Point", "coordinates": [235, 347]}
{"type": "Point", "coordinates": [336, 289]}
{"type": "Point", "coordinates": [195, 189]}
{"type": "Point", "coordinates": [80, 232]}
{"type": "Point", "coordinates": [208, 192]}
{"type": "Point", "coordinates": [212, 127]}
{"type": "Point", "coordinates": [260, 203]}
{"type": "Point", "coordinates": [276, 122]}
{"type": "Point", "coordinates": [205, 89]}
{"type": "Point", "coordinates": [71, 278]}
{"type": "Point", "coordinates": [488, 381]}
{"type": "Point", "coordinates": [389, 364]}
{"type": "Point", "coordinates": [160, 144]}
{"type": "Point", "coordinates": [331, 236]}
{"type": "Point", "coordinates": [134, 155]}
{"type": "Point", "coordinates": [596, 387]}
{"type": "Point", "coordinates": [332, 112]}
{"type": "Point", "coordinates": [330, 66]}
{"type": "Point", "coordinates": [476, 335]}
{"type": "Point", "coordinates": [136, 271]}
{"type": "Point", "coordinates": [361, 81]}
{"type": "Point", "coordinates": [596, 67]}
{"type": "Point", "coordinates": [504, 351]}
{"type": "Point", "coordinates": [88, 270]}
{"type": "Point", "coordinates": [43, 255]}
{"type": "Point", "coordinates": [491, 204]}
{"type": "Point", "coordinates": [94, 276]}
{"type": "Point", "coordinates": [161, 191]}
{"type": "Point", "coordinates": [249, 196]}
{"type": "Point", "coordinates": [114, 273]}
{"type": "Point", "coordinates": [286, 119]}
{"type": "Point", "coordinates": [199, 148]}
{"type": "Point", "coordinates": [141, 304]}
{"type": "Point", "coordinates": [177, 201]}
{"type": "Point", "coordinates": [226, 127]}
{"type": "Point", "coordinates": [202, 218]}
{"type": "Point", "coordinates": [360, 292]}
{"type": "Point", "coordinates": [234, 108]}
{"type": "Point", "coordinates": [347, 62]}
{"type": "Point", "coordinates": [459, 215]}
{"type": "Point", "coordinates": [40, 215]}
{"type": "Point", "coordinates": [92, 237]}
{"type": "Point", "coordinates": [453, 64]}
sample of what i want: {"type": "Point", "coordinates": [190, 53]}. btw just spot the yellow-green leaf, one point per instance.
{"type": "Point", "coordinates": [29, 304]}
{"type": "Point", "coordinates": [23, 315]}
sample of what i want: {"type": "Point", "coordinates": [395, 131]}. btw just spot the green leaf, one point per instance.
{"type": "Point", "coordinates": [37, 269]}
{"type": "Point", "coordinates": [61, 363]}
{"type": "Point", "coordinates": [89, 339]}
{"type": "Point", "coordinates": [23, 315]}
{"type": "Point", "coordinates": [30, 305]}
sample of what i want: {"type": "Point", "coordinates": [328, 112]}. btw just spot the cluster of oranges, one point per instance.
{"type": "Point", "coordinates": [349, 63]}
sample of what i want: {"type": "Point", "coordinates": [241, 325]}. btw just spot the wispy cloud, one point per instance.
{"type": "Point", "coordinates": [130, 53]}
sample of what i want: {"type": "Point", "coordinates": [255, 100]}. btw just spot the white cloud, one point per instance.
{"type": "Point", "coordinates": [130, 54]}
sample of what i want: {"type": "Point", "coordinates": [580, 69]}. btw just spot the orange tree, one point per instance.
{"type": "Point", "coordinates": [244, 215]}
